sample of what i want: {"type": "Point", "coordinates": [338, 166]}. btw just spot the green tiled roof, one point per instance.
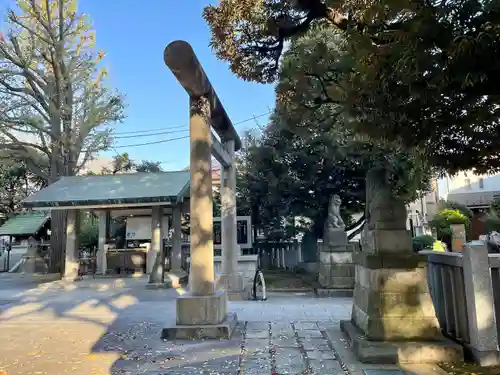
{"type": "Point", "coordinates": [112, 189]}
{"type": "Point", "coordinates": [24, 223]}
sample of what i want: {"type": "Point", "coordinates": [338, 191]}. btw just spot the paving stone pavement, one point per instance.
{"type": "Point", "coordinates": [113, 327]}
{"type": "Point", "coordinates": [46, 330]}
{"type": "Point", "coordinates": [288, 348]}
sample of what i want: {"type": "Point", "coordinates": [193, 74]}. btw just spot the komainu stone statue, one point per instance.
{"type": "Point", "coordinates": [336, 270]}
{"type": "Point", "coordinates": [334, 231]}
{"type": "Point", "coordinates": [334, 219]}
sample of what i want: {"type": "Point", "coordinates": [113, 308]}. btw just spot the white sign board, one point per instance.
{"type": "Point", "coordinates": [139, 228]}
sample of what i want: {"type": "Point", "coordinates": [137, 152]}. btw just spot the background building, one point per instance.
{"type": "Point", "coordinates": [423, 210]}
{"type": "Point", "coordinates": [476, 192]}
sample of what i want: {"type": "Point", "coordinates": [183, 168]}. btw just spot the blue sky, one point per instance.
{"type": "Point", "coordinates": [134, 34]}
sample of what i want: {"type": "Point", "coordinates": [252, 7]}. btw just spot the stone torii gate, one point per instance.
{"type": "Point", "coordinates": [202, 312]}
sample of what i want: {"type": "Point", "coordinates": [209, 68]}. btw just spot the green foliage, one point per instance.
{"type": "Point", "coordinates": [495, 205]}
{"type": "Point", "coordinates": [492, 220]}
{"type": "Point", "coordinates": [16, 183]}
{"type": "Point", "coordinates": [466, 211]}
{"type": "Point", "coordinates": [287, 173]}
{"type": "Point", "coordinates": [309, 152]}
{"type": "Point", "coordinates": [56, 105]}
{"type": "Point", "coordinates": [422, 84]}
{"type": "Point", "coordinates": [89, 231]}
{"type": "Point", "coordinates": [463, 209]}
{"type": "Point", "coordinates": [148, 166]}
{"type": "Point", "coordinates": [453, 216]}
{"type": "Point", "coordinates": [216, 203]}
{"type": "Point", "coordinates": [444, 218]}
{"type": "Point", "coordinates": [423, 242]}
{"type": "Point", "coordinates": [421, 74]}
{"type": "Point", "coordinates": [123, 164]}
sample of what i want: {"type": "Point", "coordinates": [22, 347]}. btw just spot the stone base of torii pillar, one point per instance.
{"type": "Point", "coordinates": [234, 286]}
{"type": "Point", "coordinates": [202, 317]}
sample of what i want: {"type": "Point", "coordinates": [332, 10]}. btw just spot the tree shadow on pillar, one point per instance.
{"type": "Point", "coordinates": [57, 241]}
{"type": "Point", "coordinates": [406, 310]}
{"type": "Point", "coordinates": [201, 219]}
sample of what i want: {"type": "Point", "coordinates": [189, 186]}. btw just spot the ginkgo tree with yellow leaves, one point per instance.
{"type": "Point", "coordinates": [56, 109]}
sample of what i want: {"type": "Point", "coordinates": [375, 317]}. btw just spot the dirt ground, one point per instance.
{"type": "Point", "coordinates": [469, 369]}
{"type": "Point", "coordinates": [280, 279]}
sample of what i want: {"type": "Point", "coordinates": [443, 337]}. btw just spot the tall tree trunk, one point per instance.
{"type": "Point", "coordinates": [57, 241]}
{"type": "Point", "coordinates": [57, 219]}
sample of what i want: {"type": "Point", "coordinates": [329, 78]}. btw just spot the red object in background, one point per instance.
{"type": "Point", "coordinates": [477, 225]}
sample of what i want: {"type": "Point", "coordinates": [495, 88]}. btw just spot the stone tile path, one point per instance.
{"type": "Point", "coordinates": [287, 348]}
{"type": "Point", "coordinates": [114, 330]}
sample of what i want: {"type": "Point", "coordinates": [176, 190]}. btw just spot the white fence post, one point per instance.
{"type": "Point", "coordinates": [480, 303]}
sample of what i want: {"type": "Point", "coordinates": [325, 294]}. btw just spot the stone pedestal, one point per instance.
{"type": "Point", "coordinates": [336, 268]}
{"type": "Point", "coordinates": [202, 317]}
{"type": "Point", "coordinates": [458, 237]}
{"type": "Point", "coordinates": [246, 267]}
{"type": "Point", "coordinates": [33, 262]}
{"type": "Point", "coordinates": [388, 241]}
{"type": "Point", "coordinates": [393, 318]}
{"type": "Point", "coordinates": [234, 285]}
{"type": "Point", "coordinates": [242, 278]}
{"type": "Point", "coordinates": [176, 278]}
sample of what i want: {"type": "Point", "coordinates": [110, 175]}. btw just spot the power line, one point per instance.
{"type": "Point", "coordinates": [186, 126]}
{"type": "Point", "coordinates": [150, 134]}
{"type": "Point", "coordinates": [143, 144]}
{"type": "Point", "coordinates": [174, 139]}
{"type": "Point", "coordinates": [152, 130]}
{"type": "Point", "coordinates": [153, 142]}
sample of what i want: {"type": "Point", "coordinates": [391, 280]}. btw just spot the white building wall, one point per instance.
{"type": "Point", "coordinates": [475, 191]}
{"type": "Point", "coordinates": [468, 182]}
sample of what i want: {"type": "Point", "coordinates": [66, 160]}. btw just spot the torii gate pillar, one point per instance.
{"type": "Point", "coordinates": [231, 279]}
{"type": "Point", "coordinates": [203, 311]}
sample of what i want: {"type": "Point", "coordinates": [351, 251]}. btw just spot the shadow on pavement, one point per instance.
{"type": "Point", "coordinates": [100, 327]}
